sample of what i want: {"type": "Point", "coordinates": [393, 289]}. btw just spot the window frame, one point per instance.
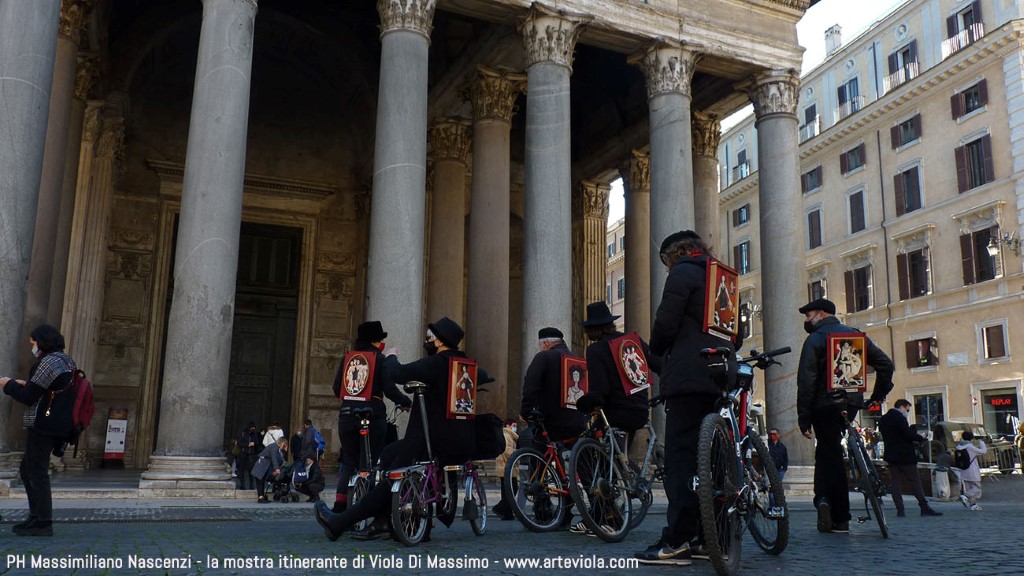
{"type": "Point", "coordinates": [815, 238]}
{"type": "Point", "coordinates": [856, 153]}
{"type": "Point", "coordinates": [850, 212]}
{"type": "Point", "coordinates": [971, 247]}
{"type": "Point", "coordinates": [898, 133]}
{"type": "Point", "coordinates": [852, 292]}
{"type": "Point", "coordinates": [958, 102]}
{"type": "Point", "coordinates": [912, 349]}
{"type": "Point", "coordinates": [620, 288]}
{"type": "Point", "coordinates": [982, 337]}
{"type": "Point", "coordinates": [742, 257]}
{"type": "Point", "coordinates": [973, 156]}
{"type": "Point", "coordinates": [900, 183]}
{"type": "Point", "coordinates": [812, 176]}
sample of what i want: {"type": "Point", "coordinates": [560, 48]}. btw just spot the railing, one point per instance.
{"type": "Point", "coordinates": [897, 78]}
{"type": "Point", "coordinates": [740, 171]}
{"type": "Point", "coordinates": [811, 129]}
{"type": "Point", "coordinates": [847, 108]}
{"type": "Point", "coordinates": [962, 39]}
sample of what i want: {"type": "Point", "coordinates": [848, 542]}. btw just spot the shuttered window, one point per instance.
{"type": "Point", "coordinates": [977, 264]}
{"type": "Point", "coordinates": [974, 165]}
{"type": "Point", "coordinates": [908, 191]}
{"type": "Point", "coordinates": [858, 289]}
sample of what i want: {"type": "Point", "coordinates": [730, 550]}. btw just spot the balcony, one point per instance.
{"type": "Point", "coordinates": [810, 130]}
{"type": "Point", "coordinates": [740, 171]}
{"type": "Point", "coordinates": [847, 108]}
{"type": "Point", "coordinates": [899, 77]}
{"type": "Point", "coordinates": [963, 39]}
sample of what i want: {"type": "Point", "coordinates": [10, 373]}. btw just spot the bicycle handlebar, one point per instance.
{"type": "Point", "coordinates": [754, 357]}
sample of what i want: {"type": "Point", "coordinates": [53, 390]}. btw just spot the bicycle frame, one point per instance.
{"type": "Point", "coordinates": [366, 468]}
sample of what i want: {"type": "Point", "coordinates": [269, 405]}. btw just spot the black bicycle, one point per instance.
{"type": "Point", "coordinates": [865, 476]}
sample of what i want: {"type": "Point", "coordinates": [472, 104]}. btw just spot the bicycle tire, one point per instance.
{"type": "Point", "coordinates": [864, 481]}
{"type": "Point", "coordinates": [357, 491]}
{"type": "Point", "coordinates": [409, 515]}
{"type": "Point", "coordinates": [771, 534]}
{"type": "Point", "coordinates": [534, 490]}
{"type": "Point", "coordinates": [475, 494]}
{"type": "Point", "coordinates": [599, 490]}
{"type": "Point", "coordinates": [717, 491]}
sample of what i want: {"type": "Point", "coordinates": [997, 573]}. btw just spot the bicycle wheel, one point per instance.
{"type": "Point", "coordinates": [599, 490]}
{"type": "Point", "coordinates": [768, 518]}
{"type": "Point", "coordinates": [475, 507]}
{"type": "Point", "coordinates": [717, 489]}
{"type": "Point", "coordinates": [357, 490]}
{"type": "Point", "coordinates": [640, 495]}
{"type": "Point", "coordinates": [409, 514]}
{"type": "Point", "coordinates": [864, 482]}
{"type": "Point", "coordinates": [534, 490]}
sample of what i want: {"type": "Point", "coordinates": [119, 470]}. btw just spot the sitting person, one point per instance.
{"type": "Point", "coordinates": [314, 484]}
{"type": "Point", "coordinates": [268, 466]}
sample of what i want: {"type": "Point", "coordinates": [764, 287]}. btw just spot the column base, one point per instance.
{"type": "Point", "coordinates": [799, 481]}
{"type": "Point", "coordinates": [9, 462]}
{"type": "Point", "coordinates": [186, 476]}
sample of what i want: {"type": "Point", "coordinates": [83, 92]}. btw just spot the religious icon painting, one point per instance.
{"type": "Point", "coordinates": [461, 389]}
{"type": "Point", "coordinates": [722, 301]}
{"type": "Point", "coordinates": [357, 377]}
{"type": "Point", "coordinates": [847, 369]}
{"type": "Point", "coordinates": [630, 360]}
{"type": "Point", "coordinates": [574, 380]}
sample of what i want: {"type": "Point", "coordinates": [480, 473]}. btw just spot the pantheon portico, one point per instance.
{"type": "Point", "coordinates": [208, 196]}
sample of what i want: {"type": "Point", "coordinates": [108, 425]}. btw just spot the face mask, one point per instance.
{"type": "Point", "coordinates": [514, 429]}
{"type": "Point", "coordinates": [380, 347]}
{"type": "Point", "coordinates": [35, 351]}
{"type": "Point", "coordinates": [430, 347]}
{"type": "Point", "coordinates": [808, 326]}
{"type": "Point", "coordinates": [773, 437]}
{"type": "Point", "coordinates": [905, 414]}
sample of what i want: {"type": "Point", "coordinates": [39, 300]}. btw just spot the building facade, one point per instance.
{"type": "Point", "coordinates": [615, 274]}
{"type": "Point", "coordinates": [912, 202]}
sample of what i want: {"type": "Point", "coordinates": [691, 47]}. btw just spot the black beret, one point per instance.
{"type": "Point", "coordinates": [549, 332]}
{"type": "Point", "coordinates": [819, 304]}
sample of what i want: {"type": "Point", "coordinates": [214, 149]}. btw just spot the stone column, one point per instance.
{"type": "Point", "coordinates": [706, 133]}
{"type": "Point", "coordinates": [595, 227]}
{"type": "Point", "coordinates": [549, 38]}
{"type": "Point", "coordinates": [668, 69]}
{"type": "Point", "coordinates": [493, 95]}
{"type": "Point", "coordinates": [394, 279]}
{"type": "Point", "coordinates": [40, 274]}
{"type": "Point", "coordinates": [774, 96]}
{"type": "Point", "coordinates": [449, 144]}
{"type": "Point", "coordinates": [28, 41]}
{"type": "Point", "coordinates": [198, 353]}
{"type": "Point", "coordinates": [638, 241]}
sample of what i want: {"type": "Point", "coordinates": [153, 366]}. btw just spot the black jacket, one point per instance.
{"type": "Point", "coordinates": [812, 377]}
{"type": "Point", "coordinates": [606, 388]}
{"type": "Point", "coordinates": [542, 390]}
{"type": "Point", "coordinates": [899, 438]}
{"type": "Point", "coordinates": [382, 384]}
{"type": "Point", "coordinates": [677, 335]}
{"type": "Point", "coordinates": [779, 454]}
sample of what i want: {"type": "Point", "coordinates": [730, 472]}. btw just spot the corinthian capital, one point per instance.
{"type": "Point", "coordinates": [449, 139]}
{"type": "Point", "coordinates": [550, 35]}
{"type": "Point", "coordinates": [411, 15]}
{"type": "Point", "coordinates": [595, 199]}
{"type": "Point", "coordinates": [111, 142]}
{"type": "Point", "coordinates": [706, 133]}
{"type": "Point", "coordinates": [667, 68]}
{"type": "Point", "coordinates": [775, 92]}
{"type": "Point", "coordinates": [86, 74]}
{"type": "Point", "coordinates": [73, 18]}
{"type": "Point", "coordinates": [493, 93]}
{"type": "Point", "coordinates": [639, 172]}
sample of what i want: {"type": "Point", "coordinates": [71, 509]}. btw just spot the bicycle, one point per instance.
{"type": "Point", "coordinates": [425, 490]}
{"type": "Point", "coordinates": [864, 474]}
{"type": "Point", "coordinates": [360, 484]}
{"type": "Point", "coordinates": [535, 483]}
{"type": "Point", "coordinates": [605, 484]}
{"type": "Point", "coordinates": [736, 476]}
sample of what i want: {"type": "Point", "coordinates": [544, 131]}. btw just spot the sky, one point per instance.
{"type": "Point", "coordinates": [853, 17]}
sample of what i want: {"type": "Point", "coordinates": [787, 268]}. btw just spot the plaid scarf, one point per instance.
{"type": "Point", "coordinates": [46, 370]}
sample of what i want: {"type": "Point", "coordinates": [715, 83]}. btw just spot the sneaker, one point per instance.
{"type": "Point", "coordinates": [975, 507]}
{"type": "Point", "coordinates": [929, 511]}
{"type": "Point", "coordinates": [35, 529]}
{"type": "Point", "coordinates": [263, 500]}
{"type": "Point", "coordinates": [699, 551]}
{"type": "Point", "coordinates": [840, 528]}
{"type": "Point", "coordinates": [824, 516]}
{"type": "Point", "coordinates": [581, 528]}
{"type": "Point", "coordinates": [662, 552]}
{"type": "Point", "coordinates": [965, 501]}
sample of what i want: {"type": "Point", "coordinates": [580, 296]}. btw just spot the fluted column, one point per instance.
{"type": "Point", "coordinates": [595, 226]}
{"type": "Point", "coordinates": [549, 39]}
{"type": "Point", "coordinates": [706, 133]}
{"type": "Point", "coordinates": [28, 40]}
{"type": "Point", "coordinates": [774, 96]}
{"type": "Point", "coordinates": [638, 241]}
{"type": "Point", "coordinates": [394, 279]}
{"type": "Point", "coordinates": [493, 95]}
{"type": "Point", "coordinates": [449, 145]}
{"type": "Point", "coordinates": [198, 351]}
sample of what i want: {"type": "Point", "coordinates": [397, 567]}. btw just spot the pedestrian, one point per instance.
{"type": "Point", "coordinates": [820, 409]}
{"type": "Point", "coordinates": [901, 456]}
{"type": "Point", "coordinates": [1019, 438]}
{"type": "Point", "coordinates": [678, 334]}
{"type": "Point", "coordinates": [233, 452]}
{"type": "Point", "coordinates": [314, 482]}
{"type": "Point", "coordinates": [970, 477]}
{"type": "Point", "coordinates": [272, 434]}
{"type": "Point", "coordinates": [295, 444]}
{"type": "Point", "coordinates": [268, 465]}
{"type": "Point", "coordinates": [309, 456]}
{"type": "Point", "coordinates": [362, 381]}
{"type": "Point", "coordinates": [440, 371]}
{"type": "Point", "coordinates": [52, 371]}
{"type": "Point", "coordinates": [502, 508]}
{"type": "Point", "coordinates": [250, 444]}
{"type": "Point", "coordinates": [778, 452]}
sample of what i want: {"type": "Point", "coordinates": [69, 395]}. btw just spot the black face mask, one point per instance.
{"type": "Point", "coordinates": [808, 326]}
{"type": "Point", "coordinates": [430, 347]}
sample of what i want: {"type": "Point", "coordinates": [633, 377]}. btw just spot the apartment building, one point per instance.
{"type": "Point", "coordinates": [615, 271]}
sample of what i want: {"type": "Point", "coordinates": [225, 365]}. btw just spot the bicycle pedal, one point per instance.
{"type": "Point", "coordinates": [776, 512]}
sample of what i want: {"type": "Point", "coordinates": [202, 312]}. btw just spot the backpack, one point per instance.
{"type": "Point", "coordinates": [85, 407]}
{"type": "Point", "coordinates": [962, 459]}
{"type": "Point", "coordinates": [321, 444]}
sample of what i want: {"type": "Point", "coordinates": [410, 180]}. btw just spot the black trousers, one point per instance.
{"type": "Point", "coordinates": [829, 470]}
{"type": "Point", "coordinates": [910, 471]}
{"type": "Point", "coordinates": [683, 417]}
{"type": "Point", "coordinates": [35, 475]}
{"type": "Point", "coordinates": [352, 446]}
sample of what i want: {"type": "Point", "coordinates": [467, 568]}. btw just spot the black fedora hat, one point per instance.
{"type": "Point", "coordinates": [372, 331]}
{"type": "Point", "coordinates": [598, 314]}
{"type": "Point", "coordinates": [447, 331]}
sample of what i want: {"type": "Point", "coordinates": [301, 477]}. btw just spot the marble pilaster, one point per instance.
{"type": "Point", "coordinates": [638, 240]}
{"type": "Point", "coordinates": [395, 267]}
{"type": "Point", "coordinates": [493, 94]}
{"type": "Point", "coordinates": [28, 41]}
{"type": "Point", "coordinates": [774, 95]}
{"type": "Point", "coordinates": [706, 133]}
{"type": "Point", "coordinates": [549, 39]}
{"type": "Point", "coordinates": [446, 266]}
{"type": "Point", "coordinates": [199, 325]}
{"type": "Point", "coordinates": [595, 226]}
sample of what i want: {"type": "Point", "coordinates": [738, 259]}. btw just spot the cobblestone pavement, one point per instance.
{"type": "Point", "coordinates": [245, 538]}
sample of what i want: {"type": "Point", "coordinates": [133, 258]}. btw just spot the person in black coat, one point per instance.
{"type": "Point", "coordinates": [686, 385]}
{"type": "Point", "coordinates": [899, 438]}
{"type": "Point", "coordinates": [459, 436]}
{"type": "Point", "coordinates": [250, 443]}
{"type": "Point", "coordinates": [542, 388]}
{"type": "Point", "coordinates": [369, 340]}
{"type": "Point", "coordinates": [295, 445]}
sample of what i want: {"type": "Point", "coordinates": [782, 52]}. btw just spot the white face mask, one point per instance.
{"type": "Point", "coordinates": [35, 351]}
{"type": "Point", "coordinates": [514, 429]}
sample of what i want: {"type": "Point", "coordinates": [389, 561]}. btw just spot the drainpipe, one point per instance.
{"type": "Point", "coordinates": [885, 245]}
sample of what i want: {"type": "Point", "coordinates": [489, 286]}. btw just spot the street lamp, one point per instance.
{"type": "Point", "coordinates": [1009, 239]}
